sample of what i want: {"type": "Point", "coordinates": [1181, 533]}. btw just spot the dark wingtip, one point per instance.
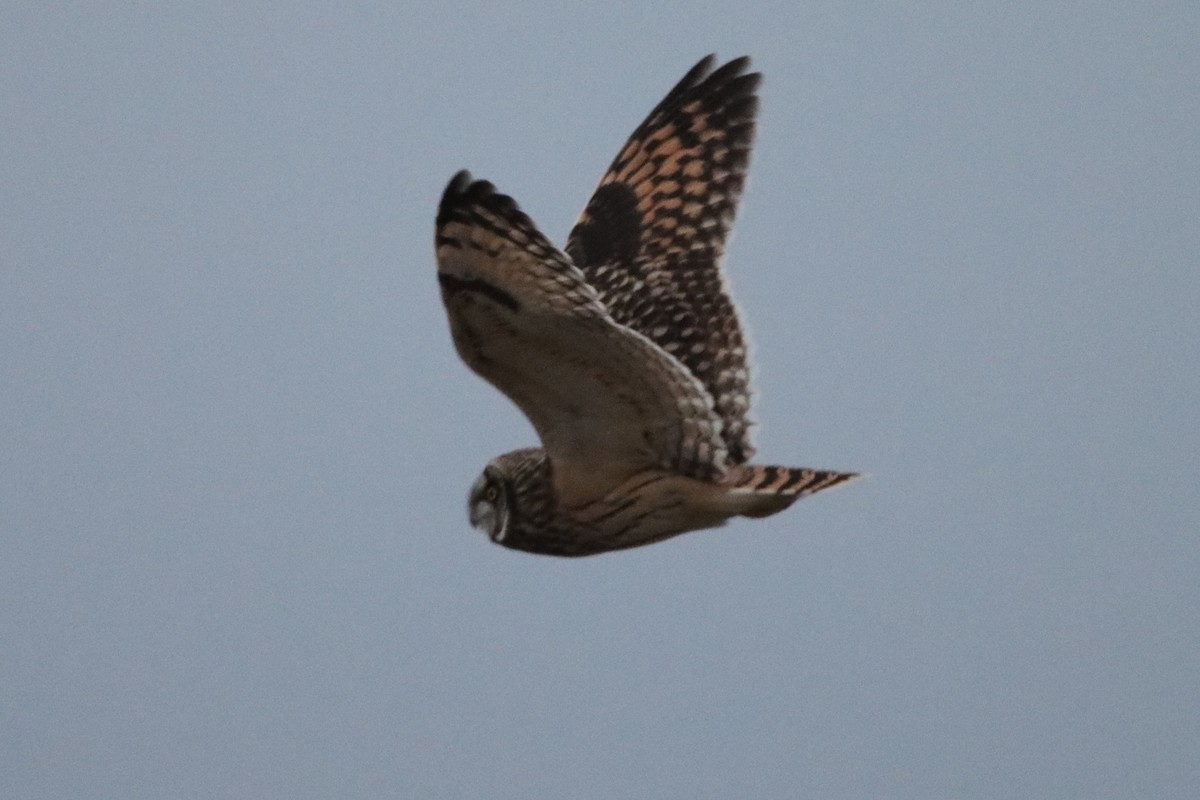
{"type": "Point", "coordinates": [693, 77]}
{"type": "Point", "coordinates": [458, 183]}
{"type": "Point", "coordinates": [733, 80]}
{"type": "Point", "coordinates": [465, 198]}
{"type": "Point", "coordinates": [702, 67]}
{"type": "Point", "coordinates": [737, 65]}
{"type": "Point", "coordinates": [730, 80]}
{"type": "Point", "coordinates": [452, 196]}
{"type": "Point", "coordinates": [460, 191]}
{"type": "Point", "coordinates": [705, 65]}
{"type": "Point", "coordinates": [730, 70]}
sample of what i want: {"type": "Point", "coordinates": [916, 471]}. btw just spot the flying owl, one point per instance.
{"type": "Point", "coordinates": [624, 350]}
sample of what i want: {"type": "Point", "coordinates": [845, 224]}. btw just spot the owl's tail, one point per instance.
{"type": "Point", "coordinates": [760, 491]}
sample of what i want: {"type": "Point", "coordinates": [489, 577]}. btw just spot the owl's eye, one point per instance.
{"type": "Point", "coordinates": [491, 493]}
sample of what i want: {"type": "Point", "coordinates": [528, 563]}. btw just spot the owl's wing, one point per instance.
{"type": "Point", "coordinates": [604, 399]}
{"type": "Point", "coordinates": [650, 240]}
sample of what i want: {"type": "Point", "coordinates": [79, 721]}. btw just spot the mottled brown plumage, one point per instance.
{"type": "Point", "coordinates": [625, 352]}
{"type": "Point", "coordinates": [652, 236]}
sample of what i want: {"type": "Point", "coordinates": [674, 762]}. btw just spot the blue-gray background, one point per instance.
{"type": "Point", "coordinates": [235, 439]}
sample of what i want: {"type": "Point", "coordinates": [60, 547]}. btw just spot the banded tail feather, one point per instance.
{"type": "Point", "coordinates": [765, 490]}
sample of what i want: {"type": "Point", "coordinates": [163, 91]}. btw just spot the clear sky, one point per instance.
{"type": "Point", "coordinates": [235, 440]}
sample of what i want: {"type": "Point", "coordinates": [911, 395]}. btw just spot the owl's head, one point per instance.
{"type": "Point", "coordinates": [512, 501]}
{"type": "Point", "coordinates": [489, 505]}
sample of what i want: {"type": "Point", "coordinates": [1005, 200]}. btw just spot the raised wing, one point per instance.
{"type": "Point", "coordinates": [604, 399]}
{"type": "Point", "coordinates": [650, 240]}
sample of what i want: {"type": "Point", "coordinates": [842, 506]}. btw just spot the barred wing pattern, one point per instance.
{"type": "Point", "coordinates": [605, 400]}
{"type": "Point", "coordinates": [651, 238]}
{"type": "Point", "coordinates": [625, 352]}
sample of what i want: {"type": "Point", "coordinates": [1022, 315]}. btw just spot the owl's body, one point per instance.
{"type": "Point", "coordinates": [625, 351]}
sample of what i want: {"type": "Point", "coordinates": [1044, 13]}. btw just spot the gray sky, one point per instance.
{"type": "Point", "coordinates": [235, 440]}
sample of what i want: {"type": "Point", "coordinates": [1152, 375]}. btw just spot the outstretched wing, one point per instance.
{"type": "Point", "coordinates": [605, 400]}
{"type": "Point", "coordinates": [651, 238]}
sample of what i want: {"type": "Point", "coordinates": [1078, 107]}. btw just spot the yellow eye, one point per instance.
{"type": "Point", "coordinates": [491, 493]}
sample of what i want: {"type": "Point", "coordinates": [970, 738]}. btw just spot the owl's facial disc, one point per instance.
{"type": "Point", "coordinates": [485, 507]}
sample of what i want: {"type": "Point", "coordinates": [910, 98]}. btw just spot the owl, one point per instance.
{"type": "Point", "coordinates": [624, 349]}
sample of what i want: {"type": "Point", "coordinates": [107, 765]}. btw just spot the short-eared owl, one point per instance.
{"type": "Point", "coordinates": [625, 350]}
